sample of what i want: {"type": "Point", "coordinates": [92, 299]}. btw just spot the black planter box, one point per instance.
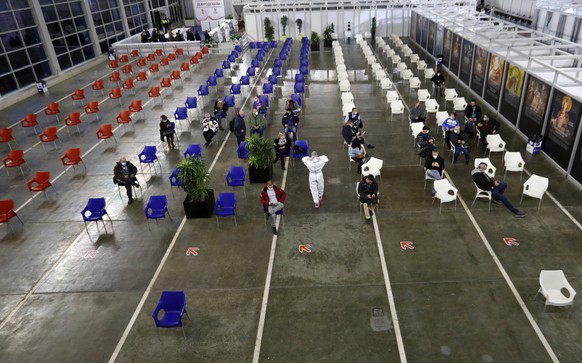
{"type": "Point", "coordinates": [327, 43]}
{"type": "Point", "coordinates": [199, 209]}
{"type": "Point", "coordinates": [315, 47]}
{"type": "Point", "coordinates": [260, 175]}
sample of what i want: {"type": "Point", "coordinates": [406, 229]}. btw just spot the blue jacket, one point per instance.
{"type": "Point", "coordinates": [450, 124]}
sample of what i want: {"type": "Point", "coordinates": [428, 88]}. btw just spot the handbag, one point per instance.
{"type": "Point", "coordinates": [168, 132]}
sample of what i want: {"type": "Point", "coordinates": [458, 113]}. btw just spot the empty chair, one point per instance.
{"type": "Point", "coordinates": [413, 83]}
{"type": "Point", "coordinates": [6, 136]}
{"type": "Point", "coordinates": [203, 90]}
{"type": "Point", "coordinates": [235, 89]}
{"type": "Point", "coordinates": [127, 69]}
{"type": "Point", "coordinates": [385, 84]}
{"type": "Point", "coordinates": [347, 97]}
{"type": "Point", "coordinates": [14, 159]}
{"type": "Point", "coordinates": [185, 67]}
{"type": "Point", "coordinates": [396, 108]}
{"type": "Point", "coordinates": [134, 53]}
{"type": "Point", "coordinates": [149, 156]}
{"type": "Point", "coordinates": [74, 119]}
{"type": "Point", "coordinates": [428, 73]}
{"type": "Point", "coordinates": [245, 81]}
{"type": "Point", "coordinates": [141, 62]}
{"type": "Point", "coordinates": [173, 304]}
{"type": "Point", "coordinates": [212, 81]}
{"type": "Point", "coordinates": [115, 94]}
{"type": "Point", "coordinates": [124, 58]}
{"type": "Point", "coordinates": [181, 114]}
{"type": "Point", "coordinates": [191, 103]}
{"type": "Point", "coordinates": [105, 132]}
{"type": "Point", "coordinates": [93, 108]}
{"type": "Point", "coordinates": [136, 106]}
{"type": "Point", "coordinates": [142, 77]}
{"type": "Point", "coordinates": [205, 50]}
{"type": "Point", "coordinates": [157, 208]}
{"type": "Point", "coordinates": [114, 63]}
{"type": "Point", "coordinates": [98, 86]}
{"type": "Point", "coordinates": [40, 182]}
{"type": "Point", "coordinates": [172, 57]}
{"type": "Point", "coordinates": [175, 75]}
{"type": "Point", "coordinates": [30, 121]}
{"type": "Point", "coordinates": [242, 151]}
{"type": "Point", "coordinates": [236, 177]}
{"type": "Point", "coordinates": [406, 74]}
{"type": "Point", "coordinates": [193, 151]}
{"type": "Point", "coordinates": [459, 103]}
{"type": "Point", "coordinates": [432, 106]}
{"type": "Point", "coordinates": [495, 143]}
{"type": "Point", "coordinates": [514, 162]}
{"type": "Point", "coordinates": [450, 94]}
{"type": "Point", "coordinates": [392, 96]}
{"type": "Point", "coordinates": [124, 117]}
{"type": "Point", "coordinates": [7, 212]}
{"type": "Point", "coordinates": [159, 52]}
{"type": "Point", "coordinates": [225, 206]}
{"type": "Point", "coordinates": [423, 95]}
{"type": "Point", "coordinates": [79, 95]}
{"type": "Point", "coordinates": [535, 187]}
{"type": "Point", "coordinates": [49, 135]}
{"type": "Point", "coordinates": [229, 100]}
{"type": "Point", "coordinates": [251, 72]}
{"type": "Point", "coordinates": [165, 62]}
{"type": "Point", "coordinates": [115, 77]}
{"type": "Point", "coordinates": [156, 93]}
{"type": "Point", "coordinates": [342, 76]}
{"type": "Point", "coordinates": [268, 88]}
{"type": "Point", "coordinates": [72, 158]}
{"type": "Point", "coordinates": [414, 58]}
{"type": "Point", "coordinates": [344, 86]}
{"type": "Point", "coordinates": [94, 212]}
{"type": "Point", "coordinates": [273, 79]}
{"type": "Point", "coordinates": [552, 286]}
{"type": "Point", "coordinates": [154, 69]}
{"type": "Point", "coordinates": [151, 57]}
{"type": "Point", "coordinates": [299, 78]}
{"type": "Point", "coordinates": [421, 66]}
{"type": "Point", "coordinates": [373, 166]}
{"type": "Point", "coordinates": [444, 192]}
{"type": "Point", "coordinates": [194, 60]}
{"type": "Point", "coordinates": [166, 83]}
{"type": "Point", "coordinates": [482, 193]}
{"type": "Point", "coordinates": [174, 180]}
{"type": "Point", "coordinates": [299, 87]}
{"type": "Point", "coordinates": [52, 109]}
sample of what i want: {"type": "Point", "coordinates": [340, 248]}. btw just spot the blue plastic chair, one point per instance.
{"type": "Point", "coordinates": [148, 156]}
{"type": "Point", "coordinates": [230, 100]}
{"type": "Point", "coordinates": [276, 71]}
{"type": "Point", "coordinates": [242, 151]}
{"type": "Point", "coordinates": [299, 87]}
{"type": "Point", "coordinates": [193, 150]}
{"type": "Point", "coordinates": [173, 303]}
{"type": "Point", "coordinates": [203, 90]}
{"type": "Point", "coordinates": [245, 81]}
{"type": "Point", "coordinates": [304, 70]}
{"type": "Point", "coordinates": [212, 81]}
{"type": "Point", "coordinates": [157, 208]}
{"type": "Point", "coordinates": [277, 213]}
{"type": "Point", "coordinates": [174, 181]}
{"type": "Point", "coordinates": [303, 62]}
{"type": "Point", "coordinates": [273, 79]}
{"type": "Point", "coordinates": [299, 78]}
{"type": "Point", "coordinates": [251, 72]}
{"type": "Point", "coordinates": [264, 100]}
{"type": "Point", "coordinates": [278, 63]}
{"type": "Point", "coordinates": [181, 114]}
{"type": "Point", "coordinates": [191, 103]}
{"type": "Point", "coordinates": [219, 73]}
{"type": "Point", "coordinates": [297, 98]}
{"type": "Point", "coordinates": [235, 89]}
{"type": "Point", "coordinates": [252, 45]}
{"type": "Point", "coordinates": [255, 63]}
{"type": "Point", "coordinates": [238, 48]}
{"type": "Point", "coordinates": [236, 177]}
{"type": "Point", "coordinates": [96, 209]}
{"type": "Point", "coordinates": [304, 145]}
{"type": "Point", "coordinates": [273, 44]}
{"type": "Point", "coordinates": [267, 89]}
{"type": "Point", "coordinates": [225, 206]}
{"type": "Point", "coordinates": [231, 59]}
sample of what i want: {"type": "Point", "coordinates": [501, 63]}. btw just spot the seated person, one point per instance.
{"type": "Point", "coordinates": [487, 126]}
{"type": "Point", "coordinates": [417, 114]}
{"type": "Point", "coordinates": [256, 123]}
{"type": "Point", "coordinates": [290, 123]}
{"type": "Point", "coordinates": [292, 106]}
{"type": "Point", "coordinates": [460, 141]}
{"type": "Point", "coordinates": [209, 128]}
{"type": "Point", "coordinates": [448, 125]}
{"type": "Point", "coordinates": [124, 175]}
{"type": "Point", "coordinates": [434, 166]}
{"type": "Point", "coordinates": [220, 111]}
{"type": "Point", "coordinates": [472, 114]}
{"type": "Point", "coordinates": [497, 188]}
{"type": "Point", "coordinates": [357, 153]}
{"type": "Point", "coordinates": [368, 193]}
{"type": "Point", "coordinates": [259, 106]}
{"type": "Point", "coordinates": [439, 83]}
{"type": "Point", "coordinates": [425, 141]}
{"type": "Point", "coordinates": [358, 124]}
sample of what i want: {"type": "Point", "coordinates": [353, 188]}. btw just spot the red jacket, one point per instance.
{"type": "Point", "coordinates": [279, 193]}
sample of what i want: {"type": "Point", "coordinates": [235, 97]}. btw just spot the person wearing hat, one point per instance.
{"type": "Point", "coordinates": [315, 164]}
{"type": "Point", "coordinates": [425, 142]}
{"type": "Point", "coordinates": [209, 128]}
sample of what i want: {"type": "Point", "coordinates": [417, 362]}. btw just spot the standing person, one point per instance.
{"type": "Point", "coordinates": [256, 123]}
{"type": "Point", "coordinates": [368, 192]}
{"type": "Point", "coordinates": [209, 128]}
{"type": "Point", "coordinates": [189, 35]}
{"type": "Point", "coordinates": [438, 81]}
{"type": "Point", "coordinates": [124, 175]}
{"type": "Point", "coordinates": [220, 111]}
{"type": "Point", "coordinates": [315, 166]}
{"type": "Point", "coordinates": [166, 23]}
{"type": "Point", "coordinates": [282, 145]}
{"type": "Point", "coordinates": [273, 199]}
{"type": "Point", "coordinates": [155, 36]}
{"type": "Point", "coordinates": [357, 154]}
{"type": "Point", "coordinates": [472, 114]}
{"type": "Point", "coordinates": [448, 125]}
{"type": "Point", "coordinates": [487, 126]}
{"type": "Point", "coordinates": [460, 141]}
{"type": "Point", "coordinates": [497, 188]}
{"type": "Point", "coordinates": [240, 127]}
{"type": "Point", "coordinates": [434, 166]}
{"type": "Point", "coordinates": [197, 36]}
{"type": "Point", "coordinates": [417, 114]}
{"type": "Point", "coordinates": [167, 131]}
{"type": "Point", "coordinates": [290, 123]}
{"type": "Point", "coordinates": [206, 37]}
{"type": "Point", "coordinates": [145, 36]}
{"type": "Point", "coordinates": [179, 36]}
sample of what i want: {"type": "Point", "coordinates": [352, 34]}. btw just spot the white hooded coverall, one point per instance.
{"type": "Point", "coordinates": [315, 166]}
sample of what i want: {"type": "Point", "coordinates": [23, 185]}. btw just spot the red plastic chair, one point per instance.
{"type": "Point", "coordinates": [151, 57]}
{"type": "Point", "coordinates": [74, 119]}
{"type": "Point", "coordinates": [15, 159]}
{"type": "Point", "coordinates": [127, 69]}
{"type": "Point", "coordinates": [124, 118]}
{"type": "Point", "coordinates": [180, 51]}
{"type": "Point", "coordinates": [154, 68]}
{"type": "Point", "coordinates": [185, 67]}
{"type": "Point", "coordinates": [72, 158]}
{"type": "Point", "coordinates": [52, 109]}
{"type": "Point", "coordinates": [134, 53]}
{"type": "Point", "coordinates": [205, 50]}
{"type": "Point", "coordinates": [199, 55]}
{"type": "Point", "coordinates": [176, 75]}
{"type": "Point", "coordinates": [115, 94]}
{"type": "Point", "coordinates": [136, 106]}
{"type": "Point", "coordinates": [142, 77]}
{"type": "Point", "coordinates": [166, 83]}
{"type": "Point", "coordinates": [124, 58]}
{"type": "Point", "coordinates": [93, 108]}
{"type": "Point", "coordinates": [194, 61]}
{"type": "Point", "coordinates": [154, 92]}
{"type": "Point", "coordinates": [105, 132]}
{"type": "Point", "coordinates": [165, 62]}
{"type": "Point", "coordinates": [141, 62]}
{"type": "Point", "coordinates": [172, 57]}
{"type": "Point", "coordinates": [30, 120]}
{"type": "Point", "coordinates": [128, 84]}
{"type": "Point", "coordinates": [7, 212]}
{"type": "Point", "coordinates": [40, 183]}
{"type": "Point", "coordinates": [49, 135]}
{"type": "Point", "coordinates": [6, 136]}
{"type": "Point", "coordinates": [115, 77]}
{"type": "Point", "coordinates": [98, 86]}
{"type": "Point", "coordinates": [159, 52]}
{"type": "Point", "coordinates": [113, 63]}
{"type": "Point", "coordinates": [79, 95]}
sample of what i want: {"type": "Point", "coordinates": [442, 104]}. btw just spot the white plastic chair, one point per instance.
{"type": "Point", "coordinates": [513, 162]}
{"type": "Point", "coordinates": [445, 192]}
{"type": "Point", "coordinates": [380, 74]}
{"type": "Point", "coordinates": [347, 97]}
{"type": "Point", "coordinates": [495, 144]}
{"type": "Point", "coordinates": [423, 94]}
{"type": "Point", "coordinates": [347, 107]}
{"type": "Point", "coordinates": [344, 86]}
{"type": "Point", "coordinates": [401, 67]}
{"type": "Point", "coordinates": [414, 58]}
{"type": "Point", "coordinates": [491, 169]}
{"type": "Point", "coordinates": [373, 166]}
{"type": "Point", "coordinates": [535, 187]}
{"type": "Point", "coordinates": [441, 116]}
{"type": "Point", "coordinates": [481, 193]}
{"type": "Point", "coordinates": [341, 68]}
{"type": "Point", "coordinates": [450, 94]}
{"type": "Point", "coordinates": [427, 177]}
{"type": "Point", "coordinates": [385, 83]}
{"type": "Point", "coordinates": [376, 67]}
{"type": "Point", "coordinates": [396, 107]}
{"type": "Point", "coordinates": [431, 105]}
{"type": "Point", "coordinates": [428, 73]}
{"type": "Point", "coordinates": [459, 103]}
{"type": "Point", "coordinates": [414, 83]}
{"type": "Point", "coordinates": [552, 282]}
{"type": "Point", "coordinates": [342, 76]}
{"type": "Point", "coordinates": [339, 60]}
{"type": "Point", "coordinates": [390, 53]}
{"type": "Point", "coordinates": [396, 59]}
{"type": "Point", "coordinates": [415, 129]}
{"type": "Point", "coordinates": [392, 96]}
{"type": "Point", "coordinates": [421, 66]}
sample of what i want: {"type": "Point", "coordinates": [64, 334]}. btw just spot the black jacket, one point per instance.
{"type": "Point", "coordinates": [429, 160]}
{"type": "Point", "coordinates": [284, 149]}
{"type": "Point", "coordinates": [348, 134]}
{"type": "Point", "coordinates": [455, 138]}
{"type": "Point", "coordinates": [240, 127]}
{"type": "Point", "coordinates": [364, 189]}
{"type": "Point", "coordinates": [436, 79]}
{"type": "Point", "coordinates": [218, 108]}
{"type": "Point", "coordinates": [483, 181]}
{"type": "Point", "coordinates": [469, 112]}
{"type": "Point", "coordinates": [118, 171]}
{"type": "Point", "coordinates": [290, 120]}
{"type": "Point", "coordinates": [489, 126]}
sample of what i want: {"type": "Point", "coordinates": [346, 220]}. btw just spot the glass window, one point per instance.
{"type": "Point", "coordinates": [59, 45]}
{"type": "Point", "coordinates": [119, 27]}
{"type": "Point", "coordinates": [30, 36]}
{"type": "Point", "coordinates": [25, 76]}
{"type": "Point", "coordinates": [72, 41]}
{"type": "Point", "coordinates": [116, 14]}
{"type": "Point", "coordinates": [4, 5]}
{"type": "Point", "coordinates": [12, 41]}
{"type": "Point", "coordinates": [63, 11]}
{"type": "Point", "coordinates": [7, 84]}
{"type": "Point", "coordinates": [85, 38]}
{"type": "Point", "coordinates": [4, 66]}
{"type": "Point", "coordinates": [109, 30]}
{"type": "Point", "coordinates": [36, 54]}
{"type": "Point", "coordinates": [80, 23]}
{"type": "Point", "coordinates": [76, 9]}
{"type": "Point", "coordinates": [93, 5]}
{"type": "Point", "coordinates": [100, 33]}
{"type": "Point", "coordinates": [45, 2]}
{"type": "Point", "coordinates": [89, 52]}
{"type": "Point", "coordinates": [77, 57]}
{"type": "Point", "coordinates": [68, 27]}
{"type": "Point", "coordinates": [104, 46]}
{"type": "Point", "coordinates": [24, 18]}
{"type": "Point", "coordinates": [106, 16]}
{"type": "Point", "coordinates": [64, 61]}
{"type": "Point", "coordinates": [19, 4]}
{"type": "Point", "coordinates": [49, 14]}
{"type": "Point", "coordinates": [54, 30]}
{"type": "Point", "coordinates": [42, 70]}
{"type": "Point", "coordinates": [7, 22]}
{"type": "Point", "coordinates": [18, 59]}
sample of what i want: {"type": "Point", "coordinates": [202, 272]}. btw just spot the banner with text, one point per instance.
{"type": "Point", "coordinates": [209, 10]}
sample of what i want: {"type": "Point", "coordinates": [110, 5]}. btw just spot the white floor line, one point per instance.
{"type": "Point", "coordinates": [267, 289]}
{"type": "Point", "coordinates": [146, 293]}
{"type": "Point", "coordinates": [397, 332]}
{"type": "Point", "coordinates": [505, 275]}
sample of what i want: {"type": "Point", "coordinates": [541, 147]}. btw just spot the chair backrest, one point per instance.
{"type": "Point", "coordinates": [396, 106]}
{"type": "Point", "coordinates": [513, 159]}
{"type": "Point", "coordinates": [6, 206]}
{"type": "Point", "coordinates": [490, 168]}
{"type": "Point", "coordinates": [191, 102]}
{"type": "Point", "coordinates": [154, 91]}
{"type": "Point", "coordinates": [53, 107]}
{"type": "Point", "coordinates": [157, 202]}
{"type": "Point", "coordinates": [135, 105]}
{"type": "Point", "coordinates": [74, 116]}
{"type": "Point", "coordinates": [443, 186]}
{"type": "Point", "coordinates": [264, 100]}
{"type": "Point", "coordinates": [218, 72]}
{"type": "Point", "coordinates": [42, 177]}
{"type": "Point", "coordinates": [95, 204]}
{"type": "Point", "coordinates": [74, 153]}
{"type": "Point", "coordinates": [236, 172]}
{"type": "Point", "coordinates": [149, 151]}
{"type": "Point", "coordinates": [245, 80]}
{"type": "Point", "coordinates": [93, 106]}
{"type": "Point", "coordinates": [536, 184]}
{"type": "Point", "coordinates": [166, 82]}
{"type": "Point", "coordinates": [416, 128]}
{"type": "Point", "coordinates": [226, 200]}
{"type": "Point", "coordinates": [79, 94]}
{"type": "Point", "coordinates": [106, 129]}
{"type": "Point", "coordinates": [235, 89]}
{"type": "Point", "coordinates": [98, 84]}
{"type": "Point", "coordinates": [303, 144]}
{"type": "Point", "coordinates": [181, 113]}
{"type": "Point", "coordinates": [175, 74]}
{"type": "Point", "coordinates": [392, 96]}
{"type": "Point", "coordinates": [50, 131]}
{"type": "Point", "coordinates": [15, 155]}
{"type": "Point", "coordinates": [555, 280]}
{"type": "Point", "coordinates": [423, 94]}
{"type": "Point", "coordinates": [193, 150]}
{"type": "Point", "coordinates": [124, 115]}
{"type": "Point", "coordinates": [174, 181]}
{"type": "Point", "coordinates": [154, 68]}
{"type": "Point", "coordinates": [267, 88]}
{"type": "Point", "coordinates": [432, 105]}
{"type": "Point", "coordinates": [230, 100]}
{"type": "Point", "coordinates": [115, 93]}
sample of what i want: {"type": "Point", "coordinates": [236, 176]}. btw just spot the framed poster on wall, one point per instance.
{"type": "Point", "coordinates": [438, 48]}
{"type": "Point", "coordinates": [479, 64]}
{"type": "Point", "coordinates": [455, 54]}
{"type": "Point", "coordinates": [413, 18]}
{"type": "Point", "coordinates": [431, 36]}
{"type": "Point", "coordinates": [534, 107]}
{"type": "Point", "coordinates": [494, 76]}
{"type": "Point", "coordinates": [560, 131]}
{"type": "Point", "coordinates": [576, 171]}
{"type": "Point", "coordinates": [466, 62]}
{"type": "Point", "coordinates": [512, 92]}
{"type": "Point", "coordinates": [419, 21]}
{"type": "Point", "coordinates": [448, 34]}
{"type": "Point", "coordinates": [424, 24]}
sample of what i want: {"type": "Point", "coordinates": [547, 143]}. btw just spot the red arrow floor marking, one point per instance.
{"type": "Point", "coordinates": [510, 241]}
{"type": "Point", "coordinates": [192, 251]}
{"type": "Point", "coordinates": [406, 244]}
{"type": "Point", "coordinates": [305, 248]}
{"type": "Point", "coordinates": [90, 254]}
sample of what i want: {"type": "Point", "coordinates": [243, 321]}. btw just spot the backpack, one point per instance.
{"type": "Point", "coordinates": [231, 125]}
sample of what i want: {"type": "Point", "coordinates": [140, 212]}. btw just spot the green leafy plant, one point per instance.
{"type": "Point", "coordinates": [284, 20]}
{"type": "Point", "coordinates": [299, 24]}
{"type": "Point", "coordinates": [327, 33]}
{"type": "Point", "coordinates": [373, 30]}
{"type": "Point", "coordinates": [269, 30]}
{"type": "Point", "coordinates": [332, 28]}
{"type": "Point", "coordinates": [261, 152]}
{"type": "Point", "coordinates": [314, 38]}
{"type": "Point", "coordinates": [195, 179]}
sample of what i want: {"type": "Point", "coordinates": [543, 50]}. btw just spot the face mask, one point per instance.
{"type": "Point", "coordinates": [435, 156]}
{"type": "Point", "coordinates": [270, 188]}
{"type": "Point", "coordinates": [123, 164]}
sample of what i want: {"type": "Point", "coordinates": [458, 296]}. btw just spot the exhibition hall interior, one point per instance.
{"type": "Point", "coordinates": [290, 181]}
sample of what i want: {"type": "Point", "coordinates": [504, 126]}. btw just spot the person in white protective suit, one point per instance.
{"type": "Point", "coordinates": [315, 164]}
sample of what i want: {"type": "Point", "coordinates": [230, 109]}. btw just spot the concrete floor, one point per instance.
{"type": "Point", "coordinates": [451, 298]}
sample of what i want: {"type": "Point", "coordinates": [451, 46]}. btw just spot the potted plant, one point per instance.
{"type": "Point", "coordinates": [284, 20]}
{"type": "Point", "coordinates": [327, 37]}
{"type": "Point", "coordinates": [299, 24]}
{"type": "Point", "coordinates": [314, 42]}
{"type": "Point", "coordinates": [261, 156]}
{"type": "Point", "coordinates": [373, 30]}
{"type": "Point", "coordinates": [269, 30]}
{"type": "Point", "coordinates": [199, 202]}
